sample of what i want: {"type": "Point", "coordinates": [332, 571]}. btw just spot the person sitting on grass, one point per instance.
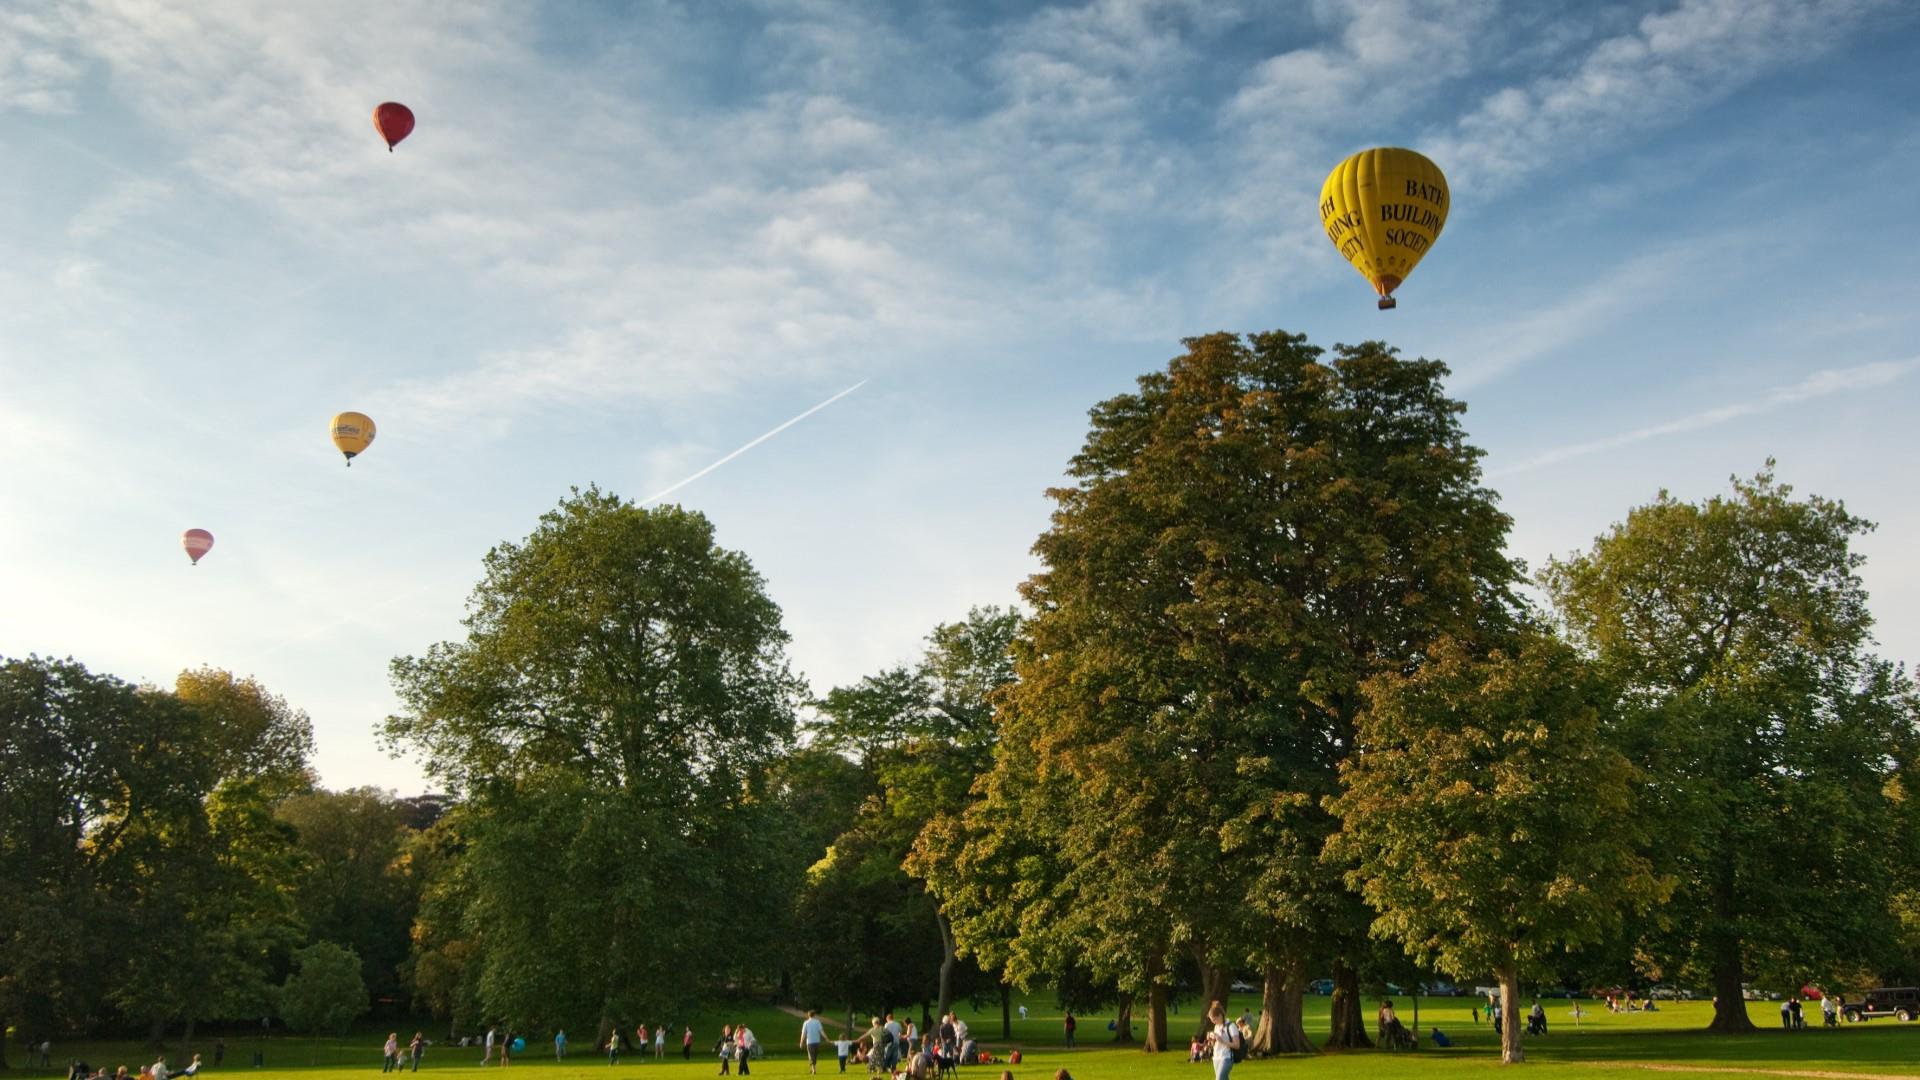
{"type": "Point", "coordinates": [1440, 1038]}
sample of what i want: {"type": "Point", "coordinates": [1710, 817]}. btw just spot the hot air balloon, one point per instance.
{"type": "Point", "coordinates": [197, 542]}
{"type": "Point", "coordinates": [1383, 209]}
{"type": "Point", "coordinates": [352, 433]}
{"type": "Point", "coordinates": [393, 121]}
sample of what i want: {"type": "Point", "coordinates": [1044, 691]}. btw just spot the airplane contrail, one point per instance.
{"type": "Point", "coordinates": [360, 615]}
{"type": "Point", "coordinates": [756, 442]}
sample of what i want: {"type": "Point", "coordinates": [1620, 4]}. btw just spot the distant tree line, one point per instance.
{"type": "Point", "coordinates": [1280, 706]}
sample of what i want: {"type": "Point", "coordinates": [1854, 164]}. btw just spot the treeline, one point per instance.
{"type": "Point", "coordinates": [1281, 706]}
{"type": "Point", "coordinates": [165, 853]}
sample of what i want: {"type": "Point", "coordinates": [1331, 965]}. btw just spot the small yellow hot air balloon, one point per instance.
{"type": "Point", "coordinates": [1383, 209]}
{"type": "Point", "coordinates": [352, 433]}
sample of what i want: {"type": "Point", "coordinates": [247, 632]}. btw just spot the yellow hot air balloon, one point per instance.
{"type": "Point", "coordinates": [352, 433]}
{"type": "Point", "coordinates": [1383, 209]}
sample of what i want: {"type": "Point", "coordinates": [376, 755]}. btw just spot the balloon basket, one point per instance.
{"type": "Point", "coordinates": [1388, 303]}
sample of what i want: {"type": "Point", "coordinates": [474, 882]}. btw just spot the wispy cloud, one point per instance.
{"type": "Point", "coordinates": [1817, 385]}
{"type": "Point", "coordinates": [36, 74]}
{"type": "Point", "coordinates": [1671, 65]}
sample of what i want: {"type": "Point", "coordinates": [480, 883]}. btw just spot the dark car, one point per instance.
{"type": "Point", "coordinates": [1899, 1002]}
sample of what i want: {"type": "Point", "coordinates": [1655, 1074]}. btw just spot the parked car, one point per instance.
{"type": "Point", "coordinates": [1899, 1002]}
{"type": "Point", "coordinates": [1322, 987]}
{"type": "Point", "coordinates": [1242, 986]}
{"type": "Point", "coordinates": [1440, 988]}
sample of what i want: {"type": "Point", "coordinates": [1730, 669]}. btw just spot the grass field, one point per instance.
{"type": "Point", "coordinates": [1602, 1045]}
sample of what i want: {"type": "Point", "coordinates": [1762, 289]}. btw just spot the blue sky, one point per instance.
{"type": "Point", "coordinates": [628, 239]}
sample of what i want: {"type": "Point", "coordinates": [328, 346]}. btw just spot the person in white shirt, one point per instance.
{"type": "Point", "coordinates": [1023, 1012]}
{"type": "Point", "coordinates": [159, 1069]}
{"type": "Point", "coordinates": [1225, 1039]}
{"type": "Point", "coordinates": [660, 1042]}
{"type": "Point", "coordinates": [811, 1033]}
{"type": "Point", "coordinates": [843, 1046]}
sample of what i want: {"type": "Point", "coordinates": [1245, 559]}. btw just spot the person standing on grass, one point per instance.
{"type": "Point", "coordinates": [725, 1049]}
{"type": "Point", "coordinates": [743, 1047]}
{"type": "Point", "coordinates": [1827, 1017]}
{"type": "Point", "coordinates": [1068, 1024]}
{"type": "Point", "coordinates": [486, 1052]}
{"type": "Point", "coordinates": [416, 1048]}
{"type": "Point", "coordinates": [686, 1043]}
{"type": "Point", "coordinates": [560, 1045]}
{"type": "Point", "coordinates": [659, 1041]}
{"type": "Point", "coordinates": [640, 1041]}
{"type": "Point", "coordinates": [1786, 1015]}
{"type": "Point", "coordinates": [613, 1045]}
{"type": "Point", "coordinates": [390, 1053]}
{"type": "Point", "coordinates": [1226, 1039]}
{"type": "Point", "coordinates": [811, 1033]}
{"type": "Point", "coordinates": [842, 1047]}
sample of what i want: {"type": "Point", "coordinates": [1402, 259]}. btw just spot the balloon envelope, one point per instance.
{"type": "Point", "coordinates": [352, 432]}
{"type": "Point", "coordinates": [197, 542]}
{"type": "Point", "coordinates": [1383, 209]}
{"type": "Point", "coordinates": [519, 1045]}
{"type": "Point", "coordinates": [393, 121]}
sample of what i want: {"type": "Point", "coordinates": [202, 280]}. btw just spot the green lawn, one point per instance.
{"type": "Point", "coordinates": [1602, 1045]}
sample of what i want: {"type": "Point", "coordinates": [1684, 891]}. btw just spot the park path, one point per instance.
{"type": "Point", "coordinates": [1819, 1074]}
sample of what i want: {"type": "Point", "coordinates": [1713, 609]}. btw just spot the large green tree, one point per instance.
{"type": "Point", "coordinates": [1765, 728]}
{"type": "Point", "coordinates": [620, 691]}
{"type": "Point", "coordinates": [1469, 811]}
{"type": "Point", "coordinates": [1249, 536]}
{"type": "Point", "coordinates": [920, 735]}
{"type": "Point", "coordinates": [352, 886]}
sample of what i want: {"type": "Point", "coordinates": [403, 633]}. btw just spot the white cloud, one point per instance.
{"type": "Point", "coordinates": [36, 75]}
{"type": "Point", "coordinates": [1819, 384]}
{"type": "Point", "coordinates": [1671, 65]}
{"type": "Point", "coordinates": [121, 203]}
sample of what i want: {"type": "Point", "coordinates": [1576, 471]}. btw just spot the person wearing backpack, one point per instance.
{"type": "Point", "coordinates": [1228, 1045]}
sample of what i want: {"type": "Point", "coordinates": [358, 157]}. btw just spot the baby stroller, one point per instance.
{"type": "Point", "coordinates": [1398, 1037]}
{"type": "Point", "coordinates": [1536, 1023]}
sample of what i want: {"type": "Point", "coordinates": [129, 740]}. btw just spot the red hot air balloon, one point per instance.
{"type": "Point", "coordinates": [197, 542]}
{"type": "Point", "coordinates": [394, 122]}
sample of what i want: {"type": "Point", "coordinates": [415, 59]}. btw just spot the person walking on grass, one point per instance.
{"type": "Point", "coordinates": [486, 1052]}
{"type": "Point", "coordinates": [842, 1047]}
{"type": "Point", "coordinates": [725, 1049]}
{"type": "Point", "coordinates": [390, 1053]}
{"type": "Point", "coordinates": [811, 1034]}
{"type": "Point", "coordinates": [1226, 1039]}
{"type": "Point", "coordinates": [613, 1045]}
{"type": "Point", "coordinates": [416, 1048]}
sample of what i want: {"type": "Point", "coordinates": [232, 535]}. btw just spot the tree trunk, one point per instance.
{"type": "Point", "coordinates": [1510, 1052]}
{"type": "Point", "coordinates": [157, 1034]}
{"type": "Point", "coordinates": [1281, 1029]}
{"type": "Point", "coordinates": [1156, 1018]}
{"type": "Point", "coordinates": [1416, 1016]}
{"type": "Point", "coordinates": [3, 1044]}
{"type": "Point", "coordinates": [186, 1040]}
{"type": "Point", "coordinates": [1349, 1030]}
{"type": "Point", "coordinates": [1006, 1010]}
{"type": "Point", "coordinates": [1123, 1022]}
{"type": "Point", "coordinates": [947, 961]}
{"type": "Point", "coordinates": [1216, 983]}
{"type": "Point", "coordinates": [1729, 997]}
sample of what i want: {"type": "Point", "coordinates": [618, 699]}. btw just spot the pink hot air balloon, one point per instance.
{"type": "Point", "coordinates": [197, 542]}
